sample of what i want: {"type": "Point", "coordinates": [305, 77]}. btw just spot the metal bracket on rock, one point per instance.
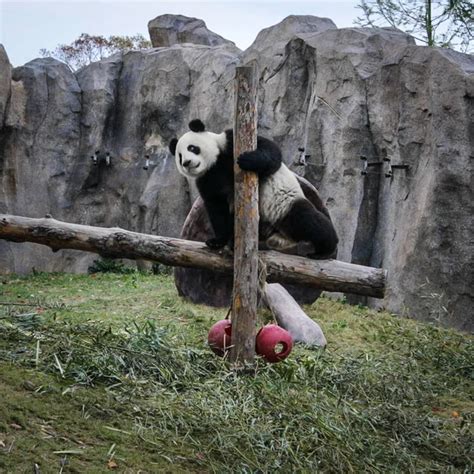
{"type": "Point", "coordinates": [386, 163]}
{"type": "Point", "coordinates": [148, 163]}
{"type": "Point", "coordinates": [301, 158]}
{"type": "Point", "coordinates": [391, 168]}
{"type": "Point", "coordinates": [97, 158]}
{"type": "Point", "coordinates": [366, 164]}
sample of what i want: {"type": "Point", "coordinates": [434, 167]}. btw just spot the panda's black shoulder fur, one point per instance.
{"type": "Point", "coordinates": [264, 161]}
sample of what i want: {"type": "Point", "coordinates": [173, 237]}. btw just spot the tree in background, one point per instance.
{"type": "Point", "coordinates": [445, 23]}
{"type": "Point", "coordinates": [89, 48]}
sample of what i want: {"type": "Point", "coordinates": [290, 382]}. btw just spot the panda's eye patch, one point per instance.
{"type": "Point", "coordinates": [194, 149]}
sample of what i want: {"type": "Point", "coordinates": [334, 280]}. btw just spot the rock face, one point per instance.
{"type": "Point", "coordinates": [269, 45]}
{"type": "Point", "coordinates": [166, 30]}
{"type": "Point", "coordinates": [5, 83]}
{"type": "Point", "coordinates": [337, 93]}
{"type": "Point", "coordinates": [128, 107]}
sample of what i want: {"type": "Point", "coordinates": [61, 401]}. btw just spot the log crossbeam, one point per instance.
{"type": "Point", "coordinates": [329, 275]}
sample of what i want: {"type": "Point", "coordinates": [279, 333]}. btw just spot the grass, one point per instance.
{"type": "Point", "coordinates": [111, 372]}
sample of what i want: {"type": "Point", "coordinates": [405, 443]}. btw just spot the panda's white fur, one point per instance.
{"type": "Point", "coordinates": [277, 193]}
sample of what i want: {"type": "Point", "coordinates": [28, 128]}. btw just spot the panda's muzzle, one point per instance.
{"type": "Point", "coordinates": [187, 165]}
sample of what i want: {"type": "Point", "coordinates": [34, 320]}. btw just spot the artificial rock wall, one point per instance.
{"type": "Point", "coordinates": [338, 93]}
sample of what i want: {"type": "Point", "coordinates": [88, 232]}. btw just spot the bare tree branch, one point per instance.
{"type": "Point", "coordinates": [446, 23]}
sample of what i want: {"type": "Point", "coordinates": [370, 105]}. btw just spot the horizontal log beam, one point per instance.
{"type": "Point", "coordinates": [329, 275]}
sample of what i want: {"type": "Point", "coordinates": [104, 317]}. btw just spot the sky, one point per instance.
{"type": "Point", "coordinates": [26, 26]}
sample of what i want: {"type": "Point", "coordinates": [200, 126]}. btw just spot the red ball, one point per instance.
{"type": "Point", "coordinates": [269, 338]}
{"type": "Point", "coordinates": [219, 337]}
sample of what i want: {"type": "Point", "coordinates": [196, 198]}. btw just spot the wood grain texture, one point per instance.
{"type": "Point", "coordinates": [244, 296]}
{"type": "Point", "coordinates": [330, 275]}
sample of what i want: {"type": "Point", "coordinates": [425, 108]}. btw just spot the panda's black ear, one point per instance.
{"type": "Point", "coordinates": [172, 145]}
{"type": "Point", "coordinates": [196, 126]}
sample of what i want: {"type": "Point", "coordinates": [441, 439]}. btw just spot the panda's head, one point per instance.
{"type": "Point", "coordinates": [196, 151]}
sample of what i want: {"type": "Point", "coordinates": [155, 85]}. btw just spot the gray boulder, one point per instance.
{"type": "Point", "coordinates": [127, 107]}
{"type": "Point", "coordinates": [166, 30]}
{"type": "Point", "coordinates": [337, 93]}
{"type": "Point", "coordinates": [271, 41]}
{"type": "Point", "coordinates": [39, 142]}
{"type": "Point", "coordinates": [421, 111]}
{"type": "Point", "coordinates": [5, 82]}
{"type": "Point", "coordinates": [356, 92]}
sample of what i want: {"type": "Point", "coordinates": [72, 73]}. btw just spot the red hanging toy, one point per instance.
{"type": "Point", "coordinates": [273, 343]}
{"type": "Point", "coordinates": [219, 337]}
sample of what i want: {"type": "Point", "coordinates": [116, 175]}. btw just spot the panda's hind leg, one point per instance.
{"type": "Point", "coordinates": [303, 222]}
{"type": "Point", "coordinates": [278, 242]}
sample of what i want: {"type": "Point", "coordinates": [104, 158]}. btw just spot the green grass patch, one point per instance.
{"type": "Point", "coordinates": [111, 372]}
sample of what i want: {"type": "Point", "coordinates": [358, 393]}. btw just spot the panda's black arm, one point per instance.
{"type": "Point", "coordinates": [265, 160]}
{"type": "Point", "coordinates": [216, 188]}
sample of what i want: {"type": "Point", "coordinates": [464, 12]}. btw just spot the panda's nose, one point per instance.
{"type": "Point", "coordinates": [186, 163]}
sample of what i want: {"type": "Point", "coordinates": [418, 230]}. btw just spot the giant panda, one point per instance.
{"type": "Point", "coordinates": [284, 210]}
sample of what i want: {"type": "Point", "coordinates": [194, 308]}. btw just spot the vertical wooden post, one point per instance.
{"type": "Point", "coordinates": [244, 299]}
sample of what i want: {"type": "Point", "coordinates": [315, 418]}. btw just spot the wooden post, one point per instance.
{"type": "Point", "coordinates": [244, 298]}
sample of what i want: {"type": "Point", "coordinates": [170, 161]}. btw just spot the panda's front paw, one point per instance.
{"type": "Point", "coordinates": [216, 243]}
{"type": "Point", "coordinates": [250, 160]}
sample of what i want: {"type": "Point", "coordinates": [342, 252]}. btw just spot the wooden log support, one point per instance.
{"type": "Point", "coordinates": [329, 275]}
{"type": "Point", "coordinates": [244, 295]}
